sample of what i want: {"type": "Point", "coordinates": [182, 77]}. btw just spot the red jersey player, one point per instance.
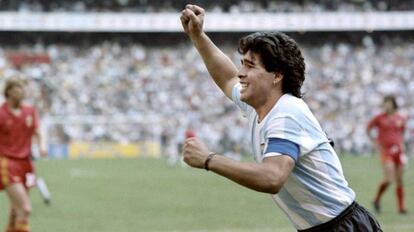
{"type": "Point", "coordinates": [390, 126]}
{"type": "Point", "coordinates": [18, 124]}
{"type": "Point", "coordinates": [189, 133]}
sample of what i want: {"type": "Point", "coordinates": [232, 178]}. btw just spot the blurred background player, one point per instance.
{"type": "Point", "coordinates": [19, 124]}
{"type": "Point", "coordinates": [174, 156]}
{"type": "Point", "coordinates": [234, 153]}
{"type": "Point", "coordinates": [389, 142]}
{"type": "Point", "coordinates": [190, 132]}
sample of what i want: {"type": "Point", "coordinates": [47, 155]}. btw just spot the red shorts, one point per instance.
{"type": "Point", "coordinates": [393, 154]}
{"type": "Point", "coordinates": [16, 171]}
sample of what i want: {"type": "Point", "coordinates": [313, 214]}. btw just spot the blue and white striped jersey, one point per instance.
{"type": "Point", "coordinates": [316, 191]}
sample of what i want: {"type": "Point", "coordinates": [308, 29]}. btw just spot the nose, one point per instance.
{"type": "Point", "coordinates": [241, 73]}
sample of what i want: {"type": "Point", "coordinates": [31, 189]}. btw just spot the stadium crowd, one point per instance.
{"type": "Point", "coordinates": [233, 6]}
{"type": "Point", "coordinates": [153, 92]}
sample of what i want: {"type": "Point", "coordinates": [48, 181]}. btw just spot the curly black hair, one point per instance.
{"type": "Point", "coordinates": [278, 53]}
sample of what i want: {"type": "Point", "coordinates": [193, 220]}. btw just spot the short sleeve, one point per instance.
{"type": "Point", "coordinates": [287, 128]}
{"type": "Point", "coordinates": [244, 107]}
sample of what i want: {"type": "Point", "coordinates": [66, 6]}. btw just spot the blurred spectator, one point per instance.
{"type": "Point", "coordinates": [126, 92]}
{"type": "Point", "coordinates": [234, 6]}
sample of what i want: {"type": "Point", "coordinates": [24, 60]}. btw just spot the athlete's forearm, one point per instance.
{"type": "Point", "coordinates": [260, 177]}
{"type": "Point", "coordinates": [370, 136]}
{"type": "Point", "coordinates": [221, 68]}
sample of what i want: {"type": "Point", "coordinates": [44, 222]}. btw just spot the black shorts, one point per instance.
{"type": "Point", "coordinates": [355, 218]}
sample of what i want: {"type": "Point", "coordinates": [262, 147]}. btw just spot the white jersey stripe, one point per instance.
{"type": "Point", "coordinates": [297, 207]}
{"type": "Point", "coordinates": [292, 215]}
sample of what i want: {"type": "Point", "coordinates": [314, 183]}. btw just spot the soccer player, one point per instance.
{"type": "Point", "coordinates": [18, 124]}
{"type": "Point", "coordinates": [189, 132]}
{"type": "Point", "coordinates": [295, 162]}
{"type": "Point", "coordinates": [389, 142]}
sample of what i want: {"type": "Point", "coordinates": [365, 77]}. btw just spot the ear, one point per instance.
{"type": "Point", "coordinates": [277, 77]}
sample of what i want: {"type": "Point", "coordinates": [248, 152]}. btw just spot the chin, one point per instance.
{"type": "Point", "coordinates": [244, 98]}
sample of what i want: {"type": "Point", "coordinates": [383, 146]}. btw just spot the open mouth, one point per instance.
{"type": "Point", "coordinates": [243, 86]}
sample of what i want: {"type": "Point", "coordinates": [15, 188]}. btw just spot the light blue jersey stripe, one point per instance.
{"type": "Point", "coordinates": [318, 189]}
{"type": "Point", "coordinates": [334, 172]}
{"type": "Point", "coordinates": [245, 108]}
{"type": "Point", "coordinates": [295, 206]}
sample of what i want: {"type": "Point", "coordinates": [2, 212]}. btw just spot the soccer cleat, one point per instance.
{"type": "Point", "coordinates": [46, 201]}
{"type": "Point", "coordinates": [377, 207]}
{"type": "Point", "coordinates": [402, 211]}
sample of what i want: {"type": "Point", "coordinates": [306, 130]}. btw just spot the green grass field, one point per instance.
{"type": "Point", "coordinates": [150, 196]}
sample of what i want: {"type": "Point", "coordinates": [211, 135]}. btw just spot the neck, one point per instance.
{"type": "Point", "coordinates": [267, 106]}
{"type": "Point", "coordinates": [14, 104]}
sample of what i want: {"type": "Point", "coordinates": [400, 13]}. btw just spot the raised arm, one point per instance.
{"type": "Point", "coordinates": [221, 68]}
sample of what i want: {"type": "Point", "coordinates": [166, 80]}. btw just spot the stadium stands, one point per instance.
{"type": "Point", "coordinates": [211, 5]}
{"type": "Point", "coordinates": [144, 86]}
{"type": "Point", "coordinates": [125, 92]}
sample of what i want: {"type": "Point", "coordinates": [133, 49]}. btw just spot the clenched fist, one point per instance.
{"type": "Point", "coordinates": [192, 19]}
{"type": "Point", "coordinates": [195, 152]}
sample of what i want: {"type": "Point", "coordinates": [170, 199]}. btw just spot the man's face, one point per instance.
{"type": "Point", "coordinates": [256, 82]}
{"type": "Point", "coordinates": [388, 106]}
{"type": "Point", "coordinates": [16, 93]}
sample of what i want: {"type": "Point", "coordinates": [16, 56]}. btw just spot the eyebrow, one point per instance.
{"type": "Point", "coordinates": [244, 60]}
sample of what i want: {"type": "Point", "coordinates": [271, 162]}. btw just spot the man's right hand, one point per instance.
{"type": "Point", "coordinates": [220, 67]}
{"type": "Point", "coordinates": [192, 19]}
